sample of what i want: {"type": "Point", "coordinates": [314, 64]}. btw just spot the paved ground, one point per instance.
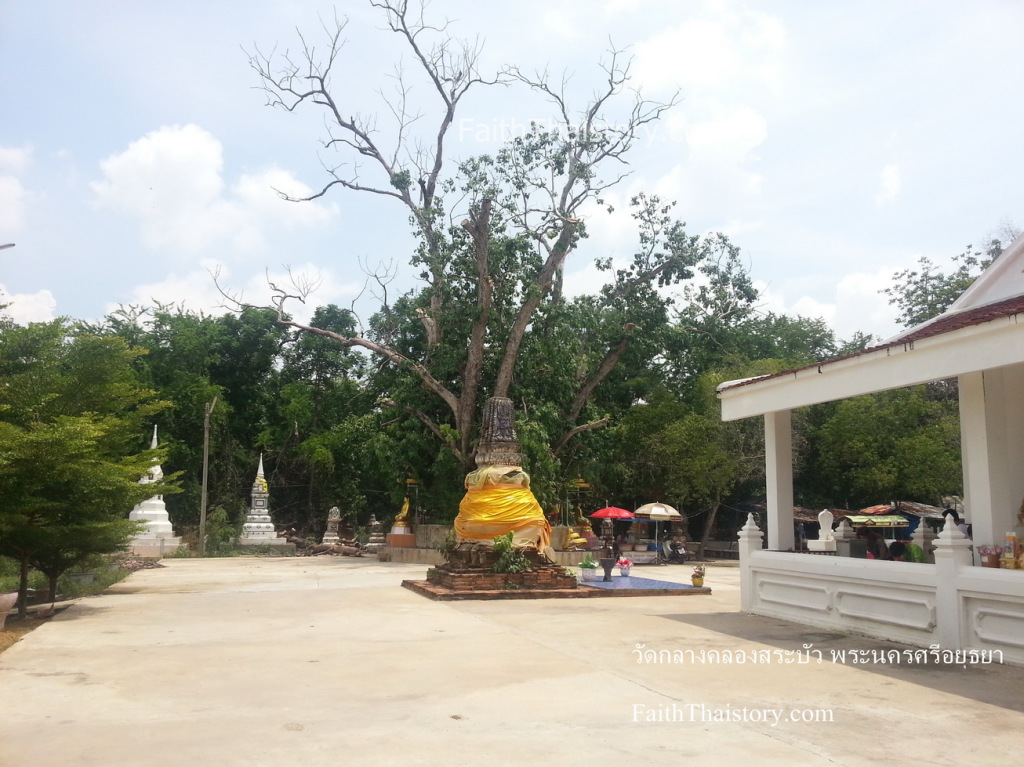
{"type": "Point", "coordinates": [327, 661]}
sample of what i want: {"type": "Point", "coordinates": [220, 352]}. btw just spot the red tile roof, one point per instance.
{"type": "Point", "coordinates": [944, 323]}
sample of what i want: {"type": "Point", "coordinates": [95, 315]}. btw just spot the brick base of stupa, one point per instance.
{"type": "Point", "coordinates": [462, 578]}
{"type": "Point", "coordinates": [452, 582]}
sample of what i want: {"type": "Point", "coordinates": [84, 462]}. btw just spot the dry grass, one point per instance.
{"type": "Point", "coordinates": [16, 627]}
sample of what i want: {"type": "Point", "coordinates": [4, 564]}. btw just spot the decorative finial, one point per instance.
{"type": "Point", "coordinates": [153, 444]}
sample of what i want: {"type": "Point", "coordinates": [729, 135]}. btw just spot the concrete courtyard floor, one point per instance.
{"type": "Point", "coordinates": [326, 661]}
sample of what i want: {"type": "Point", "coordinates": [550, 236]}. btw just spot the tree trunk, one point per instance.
{"type": "Point", "coordinates": [23, 587]}
{"type": "Point", "coordinates": [710, 521]}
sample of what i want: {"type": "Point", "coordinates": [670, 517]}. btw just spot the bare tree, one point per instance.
{"type": "Point", "coordinates": [536, 191]}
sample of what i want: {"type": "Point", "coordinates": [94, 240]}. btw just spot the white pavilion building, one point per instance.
{"type": "Point", "coordinates": [952, 603]}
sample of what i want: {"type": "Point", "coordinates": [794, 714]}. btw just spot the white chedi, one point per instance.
{"type": "Point", "coordinates": [258, 528]}
{"type": "Point", "coordinates": [152, 511]}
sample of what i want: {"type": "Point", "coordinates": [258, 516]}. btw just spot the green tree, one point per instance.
{"type": "Point", "coordinates": [492, 317]}
{"type": "Point", "coordinates": [190, 358]}
{"type": "Point", "coordinates": [902, 444]}
{"type": "Point", "coordinates": [72, 421]}
{"type": "Point", "coordinates": [926, 291]}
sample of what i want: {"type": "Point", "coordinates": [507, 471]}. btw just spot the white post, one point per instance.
{"type": "Point", "coordinates": [778, 459]}
{"type": "Point", "coordinates": [924, 537]}
{"type": "Point", "coordinates": [952, 553]}
{"type": "Point", "coordinates": [750, 540]}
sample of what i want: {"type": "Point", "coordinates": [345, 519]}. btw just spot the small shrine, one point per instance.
{"type": "Point", "coordinates": [331, 537]}
{"type": "Point", "coordinates": [157, 539]}
{"type": "Point", "coordinates": [258, 529]}
{"type": "Point", "coordinates": [377, 540]}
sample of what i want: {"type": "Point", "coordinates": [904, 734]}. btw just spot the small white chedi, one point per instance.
{"type": "Point", "coordinates": [157, 539]}
{"type": "Point", "coordinates": [258, 529]}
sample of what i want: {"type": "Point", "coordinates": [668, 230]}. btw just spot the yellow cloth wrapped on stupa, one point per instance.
{"type": "Point", "coordinates": [498, 500]}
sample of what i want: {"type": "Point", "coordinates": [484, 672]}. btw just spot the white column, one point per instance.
{"type": "Point", "coordinates": [778, 460]}
{"type": "Point", "coordinates": [992, 441]}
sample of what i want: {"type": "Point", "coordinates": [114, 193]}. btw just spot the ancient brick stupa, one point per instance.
{"type": "Point", "coordinates": [498, 498]}
{"type": "Point", "coordinates": [499, 501]}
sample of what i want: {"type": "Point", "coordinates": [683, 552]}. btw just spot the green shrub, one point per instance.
{"type": "Point", "coordinates": [510, 559]}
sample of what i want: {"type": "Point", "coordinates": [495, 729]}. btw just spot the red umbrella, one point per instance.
{"type": "Point", "coordinates": [612, 512]}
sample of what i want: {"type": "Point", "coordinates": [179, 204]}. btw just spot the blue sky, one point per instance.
{"type": "Point", "coordinates": [834, 142]}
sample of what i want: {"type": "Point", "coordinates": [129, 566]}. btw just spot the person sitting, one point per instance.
{"type": "Point", "coordinates": [875, 545]}
{"type": "Point", "coordinates": [907, 551]}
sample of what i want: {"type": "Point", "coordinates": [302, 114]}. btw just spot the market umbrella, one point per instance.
{"type": "Point", "coordinates": [612, 512]}
{"type": "Point", "coordinates": [657, 512]}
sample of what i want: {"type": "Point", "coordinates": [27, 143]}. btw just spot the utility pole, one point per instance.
{"type": "Point", "coordinates": [206, 469]}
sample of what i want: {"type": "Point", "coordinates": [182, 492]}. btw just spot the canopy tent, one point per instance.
{"type": "Point", "coordinates": [877, 520]}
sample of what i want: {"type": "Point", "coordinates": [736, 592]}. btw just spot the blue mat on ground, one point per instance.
{"type": "Point", "coordinates": [632, 582]}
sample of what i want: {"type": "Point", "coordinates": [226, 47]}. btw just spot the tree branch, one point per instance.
{"type": "Point", "coordinates": [428, 422]}
{"type": "Point", "coordinates": [611, 359]}
{"type": "Point", "coordinates": [564, 439]}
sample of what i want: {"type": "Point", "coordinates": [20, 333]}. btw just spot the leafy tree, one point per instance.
{"type": "Point", "coordinates": [192, 358]}
{"type": "Point", "coordinates": [492, 314]}
{"type": "Point", "coordinates": [72, 417]}
{"type": "Point", "coordinates": [901, 444]}
{"type": "Point", "coordinates": [926, 292]}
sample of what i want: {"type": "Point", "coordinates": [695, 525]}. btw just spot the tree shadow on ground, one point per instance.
{"type": "Point", "coordinates": [996, 684]}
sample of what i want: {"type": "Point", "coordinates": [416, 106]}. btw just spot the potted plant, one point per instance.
{"type": "Point", "coordinates": [588, 568]}
{"type": "Point", "coordinates": [697, 579]}
{"type": "Point", "coordinates": [624, 564]}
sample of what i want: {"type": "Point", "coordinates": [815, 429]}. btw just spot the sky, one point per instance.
{"type": "Point", "coordinates": [835, 143]}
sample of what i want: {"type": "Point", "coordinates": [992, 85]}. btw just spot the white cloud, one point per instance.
{"type": "Point", "coordinates": [15, 159]}
{"type": "Point", "coordinates": [889, 185]}
{"type": "Point", "coordinates": [259, 194]}
{"type": "Point", "coordinates": [196, 290]}
{"type": "Point", "coordinates": [29, 307]}
{"type": "Point", "coordinates": [726, 48]}
{"type": "Point", "coordinates": [719, 148]}
{"type": "Point", "coordinates": [13, 196]}
{"type": "Point", "coordinates": [715, 174]}
{"type": "Point", "coordinates": [172, 181]}
{"type": "Point", "coordinates": [616, 7]}
{"type": "Point", "coordinates": [856, 304]}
